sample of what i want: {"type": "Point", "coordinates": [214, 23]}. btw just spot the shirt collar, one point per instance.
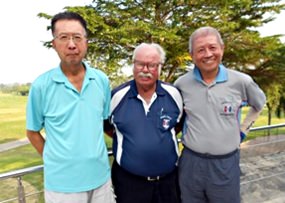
{"type": "Point", "coordinates": [221, 77]}
{"type": "Point", "coordinates": [58, 75]}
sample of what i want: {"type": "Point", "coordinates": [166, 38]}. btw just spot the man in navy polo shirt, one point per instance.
{"type": "Point", "coordinates": [144, 112]}
{"type": "Point", "coordinates": [212, 94]}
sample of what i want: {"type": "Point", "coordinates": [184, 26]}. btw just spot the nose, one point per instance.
{"type": "Point", "coordinates": [208, 52]}
{"type": "Point", "coordinates": [71, 44]}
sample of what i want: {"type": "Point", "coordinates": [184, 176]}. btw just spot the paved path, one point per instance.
{"type": "Point", "coordinates": [13, 144]}
{"type": "Point", "coordinates": [263, 170]}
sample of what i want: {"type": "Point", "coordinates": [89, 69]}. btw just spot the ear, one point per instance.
{"type": "Point", "coordinates": [191, 58]}
{"type": "Point", "coordinates": [53, 44]}
{"type": "Point", "coordinates": [223, 49]}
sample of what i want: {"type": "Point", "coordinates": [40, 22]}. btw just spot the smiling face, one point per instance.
{"type": "Point", "coordinates": [207, 53]}
{"type": "Point", "coordinates": [70, 49]}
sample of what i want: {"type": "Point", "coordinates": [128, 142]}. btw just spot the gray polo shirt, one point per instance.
{"type": "Point", "coordinates": [212, 122]}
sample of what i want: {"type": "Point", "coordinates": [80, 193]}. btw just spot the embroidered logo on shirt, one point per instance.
{"type": "Point", "coordinates": [227, 108]}
{"type": "Point", "coordinates": [166, 122]}
{"type": "Point", "coordinates": [165, 119]}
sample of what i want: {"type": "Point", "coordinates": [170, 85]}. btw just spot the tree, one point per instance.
{"type": "Point", "coordinates": [270, 75]}
{"type": "Point", "coordinates": [274, 95]}
{"type": "Point", "coordinates": [281, 106]}
{"type": "Point", "coordinates": [116, 27]}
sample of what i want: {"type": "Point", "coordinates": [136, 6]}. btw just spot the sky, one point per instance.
{"type": "Point", "coordinates": [23, 56]}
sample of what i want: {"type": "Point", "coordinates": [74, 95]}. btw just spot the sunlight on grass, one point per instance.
{"type": "Point", "coordinates": [18, 158]}
{"type": "Point", "coordinates": [12, 117]}
{"type": "Point", "coordinates": [263, 118]}
{"type": "Point", "coordinates": [263, 121]}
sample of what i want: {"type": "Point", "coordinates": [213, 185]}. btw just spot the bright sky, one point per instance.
{"type": "Point", "coordinates": [22, 53]}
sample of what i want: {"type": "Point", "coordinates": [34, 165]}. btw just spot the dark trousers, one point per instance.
{"type": "Point", "coordinates": [207, 178]}
{"type": "Point", "coordinates": [130, 188]}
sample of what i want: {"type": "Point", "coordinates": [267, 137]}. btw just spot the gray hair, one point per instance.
{"type": "Point", "coordinates": [204, 31]}
{"type": "Point", "coordinates": [159, 49]}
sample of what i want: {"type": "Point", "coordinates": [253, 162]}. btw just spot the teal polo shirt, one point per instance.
{"type": "Point", "coordinates": [75, 155]}
{"type": "Point", "coordinates": [212, 123]}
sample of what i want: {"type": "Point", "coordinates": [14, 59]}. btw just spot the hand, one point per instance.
{"type": "Point", "coordinates": [242, 136]}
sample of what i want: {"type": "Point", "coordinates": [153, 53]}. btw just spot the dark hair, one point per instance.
{"type": "Point", "coordinates": [68, 16]}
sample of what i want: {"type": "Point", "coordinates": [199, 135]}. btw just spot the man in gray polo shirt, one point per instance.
{"type": "Point", "coordinates": [213, 95]}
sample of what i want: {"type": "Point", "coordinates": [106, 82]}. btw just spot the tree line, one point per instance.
{"type": "Point", "coordinates": [15, 88]}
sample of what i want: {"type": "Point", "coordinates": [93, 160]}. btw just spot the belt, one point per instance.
{"type": "Point", "coordinates": [146, 178]}
{"type": "Point", "coordinates": [156, 178]}
{"type": "Point", "coordinates": [211, 156]}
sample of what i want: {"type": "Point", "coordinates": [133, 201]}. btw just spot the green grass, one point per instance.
{"type": "Point", "coordinates": [263, 121]}
{"type": "Point", "coordinates": [18, 158]}
{"type": "Point", "coordinates": [12, 117]}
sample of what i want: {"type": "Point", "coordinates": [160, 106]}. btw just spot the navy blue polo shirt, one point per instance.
{"type": "Point", "coordinates": [145, 144]}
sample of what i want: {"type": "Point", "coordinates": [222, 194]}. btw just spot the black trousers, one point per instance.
{"type": "Point", "coordinates": [130, 188]}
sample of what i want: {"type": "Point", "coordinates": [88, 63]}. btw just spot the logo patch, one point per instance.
{"type": "Point", "coordinates": [165, 119]}
{"type": "Point", "coordinates": [165, 123]}
{"type": "Point", "coordinates": [227, 109]}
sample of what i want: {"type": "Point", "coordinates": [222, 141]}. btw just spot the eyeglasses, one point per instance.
{"type": "Point", "coordinates": [64, 38]}
{"type": "Point", "coordinates": [139, 65]}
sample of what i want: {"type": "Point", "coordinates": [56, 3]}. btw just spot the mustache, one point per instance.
{"type": "Point", "coordinates": [146, 75]}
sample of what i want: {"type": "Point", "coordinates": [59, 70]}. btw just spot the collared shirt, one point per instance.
{"type": "Point", "coordinates": [145, 142]}
{"type": "Point", "coordinates": [75, 155]}
{"type": "Point", "coordinates": [212, 121]}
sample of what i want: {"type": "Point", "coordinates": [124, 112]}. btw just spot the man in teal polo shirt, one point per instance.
{"type": "Point", "coordinates": [212, 94]}
{"type": "Point", "coordinates": [70, 102]}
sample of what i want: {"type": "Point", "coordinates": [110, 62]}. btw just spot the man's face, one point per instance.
{"type": "Point", "coordinates": [70, 41]}
{"type": "Point", "coordinates": [146, 67]}
{"type": "Point", "coordinates": [207, 53]}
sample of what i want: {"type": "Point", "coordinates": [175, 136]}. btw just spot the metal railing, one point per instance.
{"type": "Point", "coordinates": [267, 127]}
{"type": "Point", "coordinates": [21, 195]}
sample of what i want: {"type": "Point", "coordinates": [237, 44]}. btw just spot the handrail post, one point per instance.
{"type": "Point", "coordinates": [21, 191]}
